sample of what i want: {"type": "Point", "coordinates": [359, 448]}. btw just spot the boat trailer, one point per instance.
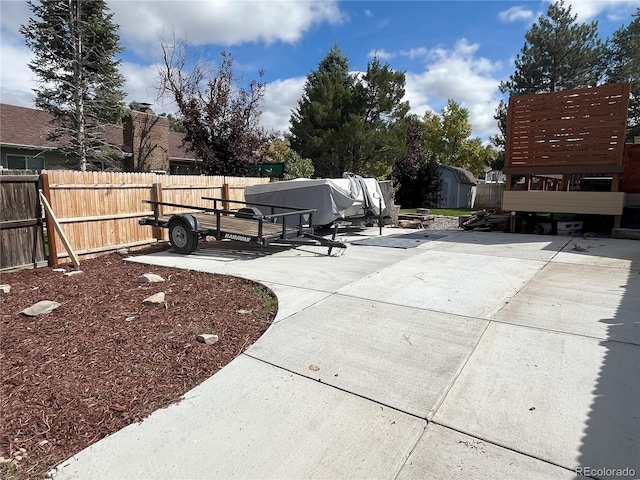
{"type": "Point", "coordinates": [247, 225]}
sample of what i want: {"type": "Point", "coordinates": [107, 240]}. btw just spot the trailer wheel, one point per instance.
{"type": "Point", "coordinates": [182, 238]}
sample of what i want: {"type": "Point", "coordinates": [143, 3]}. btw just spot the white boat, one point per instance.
{"type": "Point", "coordinates": [349, 198]}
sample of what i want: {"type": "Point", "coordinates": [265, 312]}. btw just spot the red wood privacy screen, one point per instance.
{"type": "Point", "coordinates": [572, 131]}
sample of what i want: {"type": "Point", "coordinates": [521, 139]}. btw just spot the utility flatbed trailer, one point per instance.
{"type": "Point", "coordinates": [248, 225]}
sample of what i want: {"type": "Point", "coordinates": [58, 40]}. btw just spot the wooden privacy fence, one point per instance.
{"type": "Point", "coordinates": [99, 211]}
{"type": "Point", "coordinates": [21, 225]}
{"type": "Point", "coordinates": [489, 195]}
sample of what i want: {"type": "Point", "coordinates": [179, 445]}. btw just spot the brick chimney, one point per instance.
{"type": "Point", "coordinates": [146, 136]}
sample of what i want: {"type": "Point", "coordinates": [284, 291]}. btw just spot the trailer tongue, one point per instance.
{"type": "Point", "coordinates": [291, 226]}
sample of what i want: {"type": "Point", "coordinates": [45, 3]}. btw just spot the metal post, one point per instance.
{"type": "Point", "coordinates": [380, 215]}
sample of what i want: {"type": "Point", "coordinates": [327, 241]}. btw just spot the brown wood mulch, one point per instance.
{"type": "Point", "coordinates": [103, 360]}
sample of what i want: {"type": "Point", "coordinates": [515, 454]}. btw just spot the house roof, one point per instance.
{"type": "Point", "coordinates": [462, 175]}
{"type": "Point", "coordinates": [28, 127]}
{"type": "Point", "coordinates": [177, 149]}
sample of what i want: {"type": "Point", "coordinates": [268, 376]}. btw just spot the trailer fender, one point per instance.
{"type": "Point", "coordinates": [190, 220]}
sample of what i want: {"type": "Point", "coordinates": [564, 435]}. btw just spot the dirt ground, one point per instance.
{"type": "Point", "coordinates": [103, 359]}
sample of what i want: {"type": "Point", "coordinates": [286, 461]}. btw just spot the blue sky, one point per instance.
{"type": "Point", "coordinates": [448, 49]}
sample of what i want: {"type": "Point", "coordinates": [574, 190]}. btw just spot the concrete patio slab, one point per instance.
{"type": "Point", "coordinates": [401, 357]}
{"type": "Point", "coordinates": [442, 453]}
{"type": "Point", "coordinates": [528, 247]}
{"type": "Point", "coordinates": [566, 399]}
{"type": "Point", "coordinates": [606, 252]}
{"type": "Point", "coordinates": [459, 283]}
{"type": "Point", "coordinates": [284, 267]}
{"type": "Point", "coordinates": [292, 300]}
{"type": "Point", "coordinates": [252, 420]}
{"type": "Point", "coordinates": [582, 299]}
{"type": "Point", "coordinates": [501, 335]}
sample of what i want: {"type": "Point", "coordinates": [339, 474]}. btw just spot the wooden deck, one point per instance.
{"type": "Point", "coordinates": [597, 203]}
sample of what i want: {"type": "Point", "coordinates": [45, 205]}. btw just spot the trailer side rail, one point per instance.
{"type": "Point", "coordinates": [237, 225]}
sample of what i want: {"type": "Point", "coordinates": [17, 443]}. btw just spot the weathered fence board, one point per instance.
{"type": "Point", "coordinates": [489, 195]}
{"type": "Point", "coordinates": [99, 211]}
{"type": "Point", "coordinates": [21, 225]}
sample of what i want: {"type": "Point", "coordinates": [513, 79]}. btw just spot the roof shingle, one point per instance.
{"type": "Point", "coordinates": [28, 127]}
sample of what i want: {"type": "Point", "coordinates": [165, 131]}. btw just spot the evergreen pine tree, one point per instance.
{"type": "Point", "coordinates": [346, 123]}
{"type": "Point", "coordinates": [558, 54]}
{"type": "Point", "coordinates": [74, 43]}
{"type": "Point", "coordinates": [316, 125]}
{"type": "Point", "coordinates": [623, 65]}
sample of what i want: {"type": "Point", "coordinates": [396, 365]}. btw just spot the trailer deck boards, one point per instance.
{"type": "Point", "coordinates": [247, 225]}
{"type": "Point", "coordinates": [240, 226]}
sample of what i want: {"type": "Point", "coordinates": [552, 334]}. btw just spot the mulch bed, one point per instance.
{"type": "Point", "coordinates": [103, 360]}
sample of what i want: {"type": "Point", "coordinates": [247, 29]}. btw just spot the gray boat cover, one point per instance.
{"type": "Point", "coordinates": [334, 198]}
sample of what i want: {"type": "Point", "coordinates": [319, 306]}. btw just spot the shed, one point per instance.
{"type": "Point", "coordinates": [458, 187]}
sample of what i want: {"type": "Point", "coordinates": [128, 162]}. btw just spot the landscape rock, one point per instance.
{"type": "Point", "coordinates": [5, 288]}
{"type": "Point", "coordinates": [243, 312]}
{"type": "Point", "coordinates": [73, 273]}
{"type": "Point", "coordinates": [207, 338]}
{"type": "Point", "coordinates": [154, 299]}
{"type": "Point", "coordinates": [61, 270]}
{"type": "Point", "coordinates": [41, 308]}
{"type": "Point", "coordinates": [122, 251]}
{"type": "Point", "coordinates": [150, 278]}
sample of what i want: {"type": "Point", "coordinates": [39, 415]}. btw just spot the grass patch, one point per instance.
{"type": "Point", "coordinates": [448, 212]}
{"type": "Point", "coordinates": [268, 301]}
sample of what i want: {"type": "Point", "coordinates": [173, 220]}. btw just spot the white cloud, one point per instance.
{"type": "Point", "coordinates": [414, 53]}
{"type": "Point", "coordinates": [381, 54]}
{"type": "Point", "coordinates": [281, 98]}
{"type": "Point", "coordinates": [368, 13]}
{"type": "Point", "coordinates": [225, 22]}
{"type": "Point", "coordinates": [516, 14]}
{"type": "Point", "coordinates": [615, 9]}
{"type": "Point", "coordinates": [17, 80]}
{"type": "Point", "coordinates": [462, 76]}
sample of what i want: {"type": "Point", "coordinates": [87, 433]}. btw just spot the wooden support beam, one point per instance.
{"type": "Point", "coordinates": [617, 221]}
{"type": "Point", "coordinates": [65, 242]}
{"type": "Point", "coordinates": [615, 183]}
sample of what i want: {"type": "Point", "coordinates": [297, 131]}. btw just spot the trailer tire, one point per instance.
{"type": "Point", "coordinates": [182, 238]}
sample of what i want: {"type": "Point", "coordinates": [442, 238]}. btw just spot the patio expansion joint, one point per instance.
{"type": "Point", "coordinates": [498, 444]}
{"type": "Point", "coordinates": [364, 397]}
{"type": "Point", "coordinates": [380, 270]}
{"type": "Point", "coordinates": [560, 332]}
{"type": "Point", "coordinates": [545, 265]}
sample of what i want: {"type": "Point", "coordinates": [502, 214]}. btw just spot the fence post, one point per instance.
{"type": "Point", "coordinates": [158, 210]}
{"type": "Point", "coordinates": [51, 232]}
{"type": "Point", "coordinates": [225, 196]}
